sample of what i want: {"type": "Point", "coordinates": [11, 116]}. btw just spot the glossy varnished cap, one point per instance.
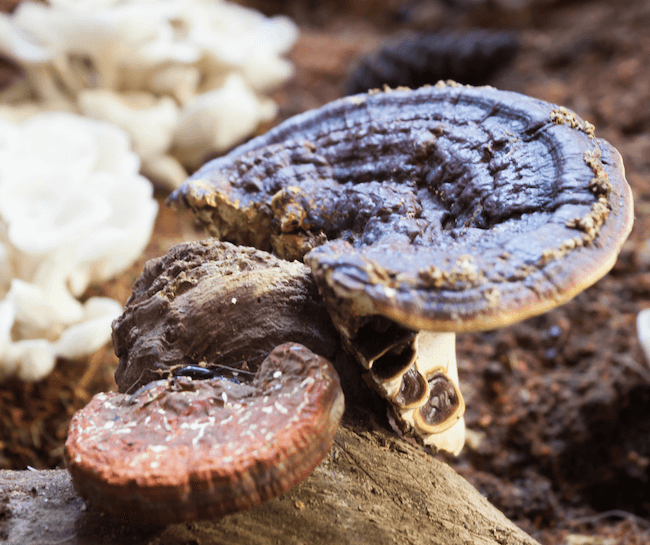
{"type": "Point", "coordinates": [181, 449]}
{"type": "Point", "coordinates": [448, 208]}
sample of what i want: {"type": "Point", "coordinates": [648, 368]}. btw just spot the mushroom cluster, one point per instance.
{"type": "Point", "coordinates": [183, 78]}
{"type": "Point", "coordinates": [445, 209]}
{"type": "Point", "coordinates": [73, 210]}
{"type": "Point", "coordinates": [418, 214]}
{"type": "Point", "coordinates": [226, 399]}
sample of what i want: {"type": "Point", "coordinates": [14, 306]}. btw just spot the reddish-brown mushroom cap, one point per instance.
{"type": "Point", "coordinates": [181, 449]}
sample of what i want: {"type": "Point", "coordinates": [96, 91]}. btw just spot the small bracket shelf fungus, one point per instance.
{"type": "Point", "coordinates": [417, 214]}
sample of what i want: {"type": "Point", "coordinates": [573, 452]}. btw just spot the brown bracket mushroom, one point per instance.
{"type": "Point", "coordinates": [449, 208]}
{"type": "Point", "coordinates": [215, 302]}
{"type": "Point", "coordinates": [170, 448]}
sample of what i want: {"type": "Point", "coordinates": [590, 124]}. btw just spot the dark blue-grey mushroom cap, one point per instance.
{"type": "Point", "coordinates": [448, 208]}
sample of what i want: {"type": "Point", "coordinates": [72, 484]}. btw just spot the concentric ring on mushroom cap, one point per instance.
{"type": "Point", "coordinates": [454, 208]}
{"type": "Point", "coordinates": [181, 449]}
{"type": "Point", "coordinates": [528, 258]}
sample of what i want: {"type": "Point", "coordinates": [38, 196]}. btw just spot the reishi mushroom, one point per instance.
{"type": "Point", "coordinates": [471, 55]}
{"type": "Point", "coordinates": [419, 214]}
{"type": "Point", "coordinates": [448, 209]}
{"type": "Point", "coordinates": [201, 428]}
{"type": "Point", "coordinates": [212, 301]}
{"type": "Point", "coordinates": [180, 449]}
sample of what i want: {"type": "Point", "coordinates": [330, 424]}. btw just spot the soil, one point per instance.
{"type": "Point", "coordinates": [558, 406]}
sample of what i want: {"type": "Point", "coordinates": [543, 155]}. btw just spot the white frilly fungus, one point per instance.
{"type": "Point", "coordinates": [185, 78]}
{"type": "Point", "coordinates": [73, 210]}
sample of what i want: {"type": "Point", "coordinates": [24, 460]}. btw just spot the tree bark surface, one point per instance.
{"type": "Point", "coordinates": [373, 488]}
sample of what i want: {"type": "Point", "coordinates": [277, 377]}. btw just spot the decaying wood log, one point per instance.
{"type": "Point", "coordinates": [372, 488]}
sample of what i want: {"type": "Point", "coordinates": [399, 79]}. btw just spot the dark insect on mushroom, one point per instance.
{"type": "Point", "coordinates": [472, 56]}
{"type": "Point", "coordinates": [418, 214]}
{"type": "Point", "coordinates": [196, 372]}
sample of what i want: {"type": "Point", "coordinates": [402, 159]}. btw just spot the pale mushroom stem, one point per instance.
{"type": "Point", "coordinates": [438, 350]}
{"type": "Point", "coordinates": [423, 387]}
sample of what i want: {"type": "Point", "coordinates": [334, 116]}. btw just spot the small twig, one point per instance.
{"type": "Point", "coordinates": [135, 383]}
{"type": "Point", "coordinates": [237, 370]}
{"type": "Point", "coordinates": [632, 365]}
{"type": "Point", "coordinates": [64, 540]}
{"type": "Point", "coordinates": [94, 363]}
{"type": "Point", "coordinates": [614, 513]}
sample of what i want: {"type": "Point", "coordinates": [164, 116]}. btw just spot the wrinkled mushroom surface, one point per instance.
{"type": "Point", "coordinates": [214, 304]}
{"type": "Point", "coordinates": [449, 208]}
{"type": "Point", "coordinates": [180, 449]}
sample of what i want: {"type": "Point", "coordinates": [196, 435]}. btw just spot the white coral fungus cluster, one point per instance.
{"type": "Point", "coordinates": [73, 210]}
{"type": "Point", "coordinates": [184, 78]}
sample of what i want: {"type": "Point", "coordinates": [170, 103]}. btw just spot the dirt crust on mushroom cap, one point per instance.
{"type": "Point", "coordinates": [181, 449]}
{"type": "Point", "coordinates": [447, 208]}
